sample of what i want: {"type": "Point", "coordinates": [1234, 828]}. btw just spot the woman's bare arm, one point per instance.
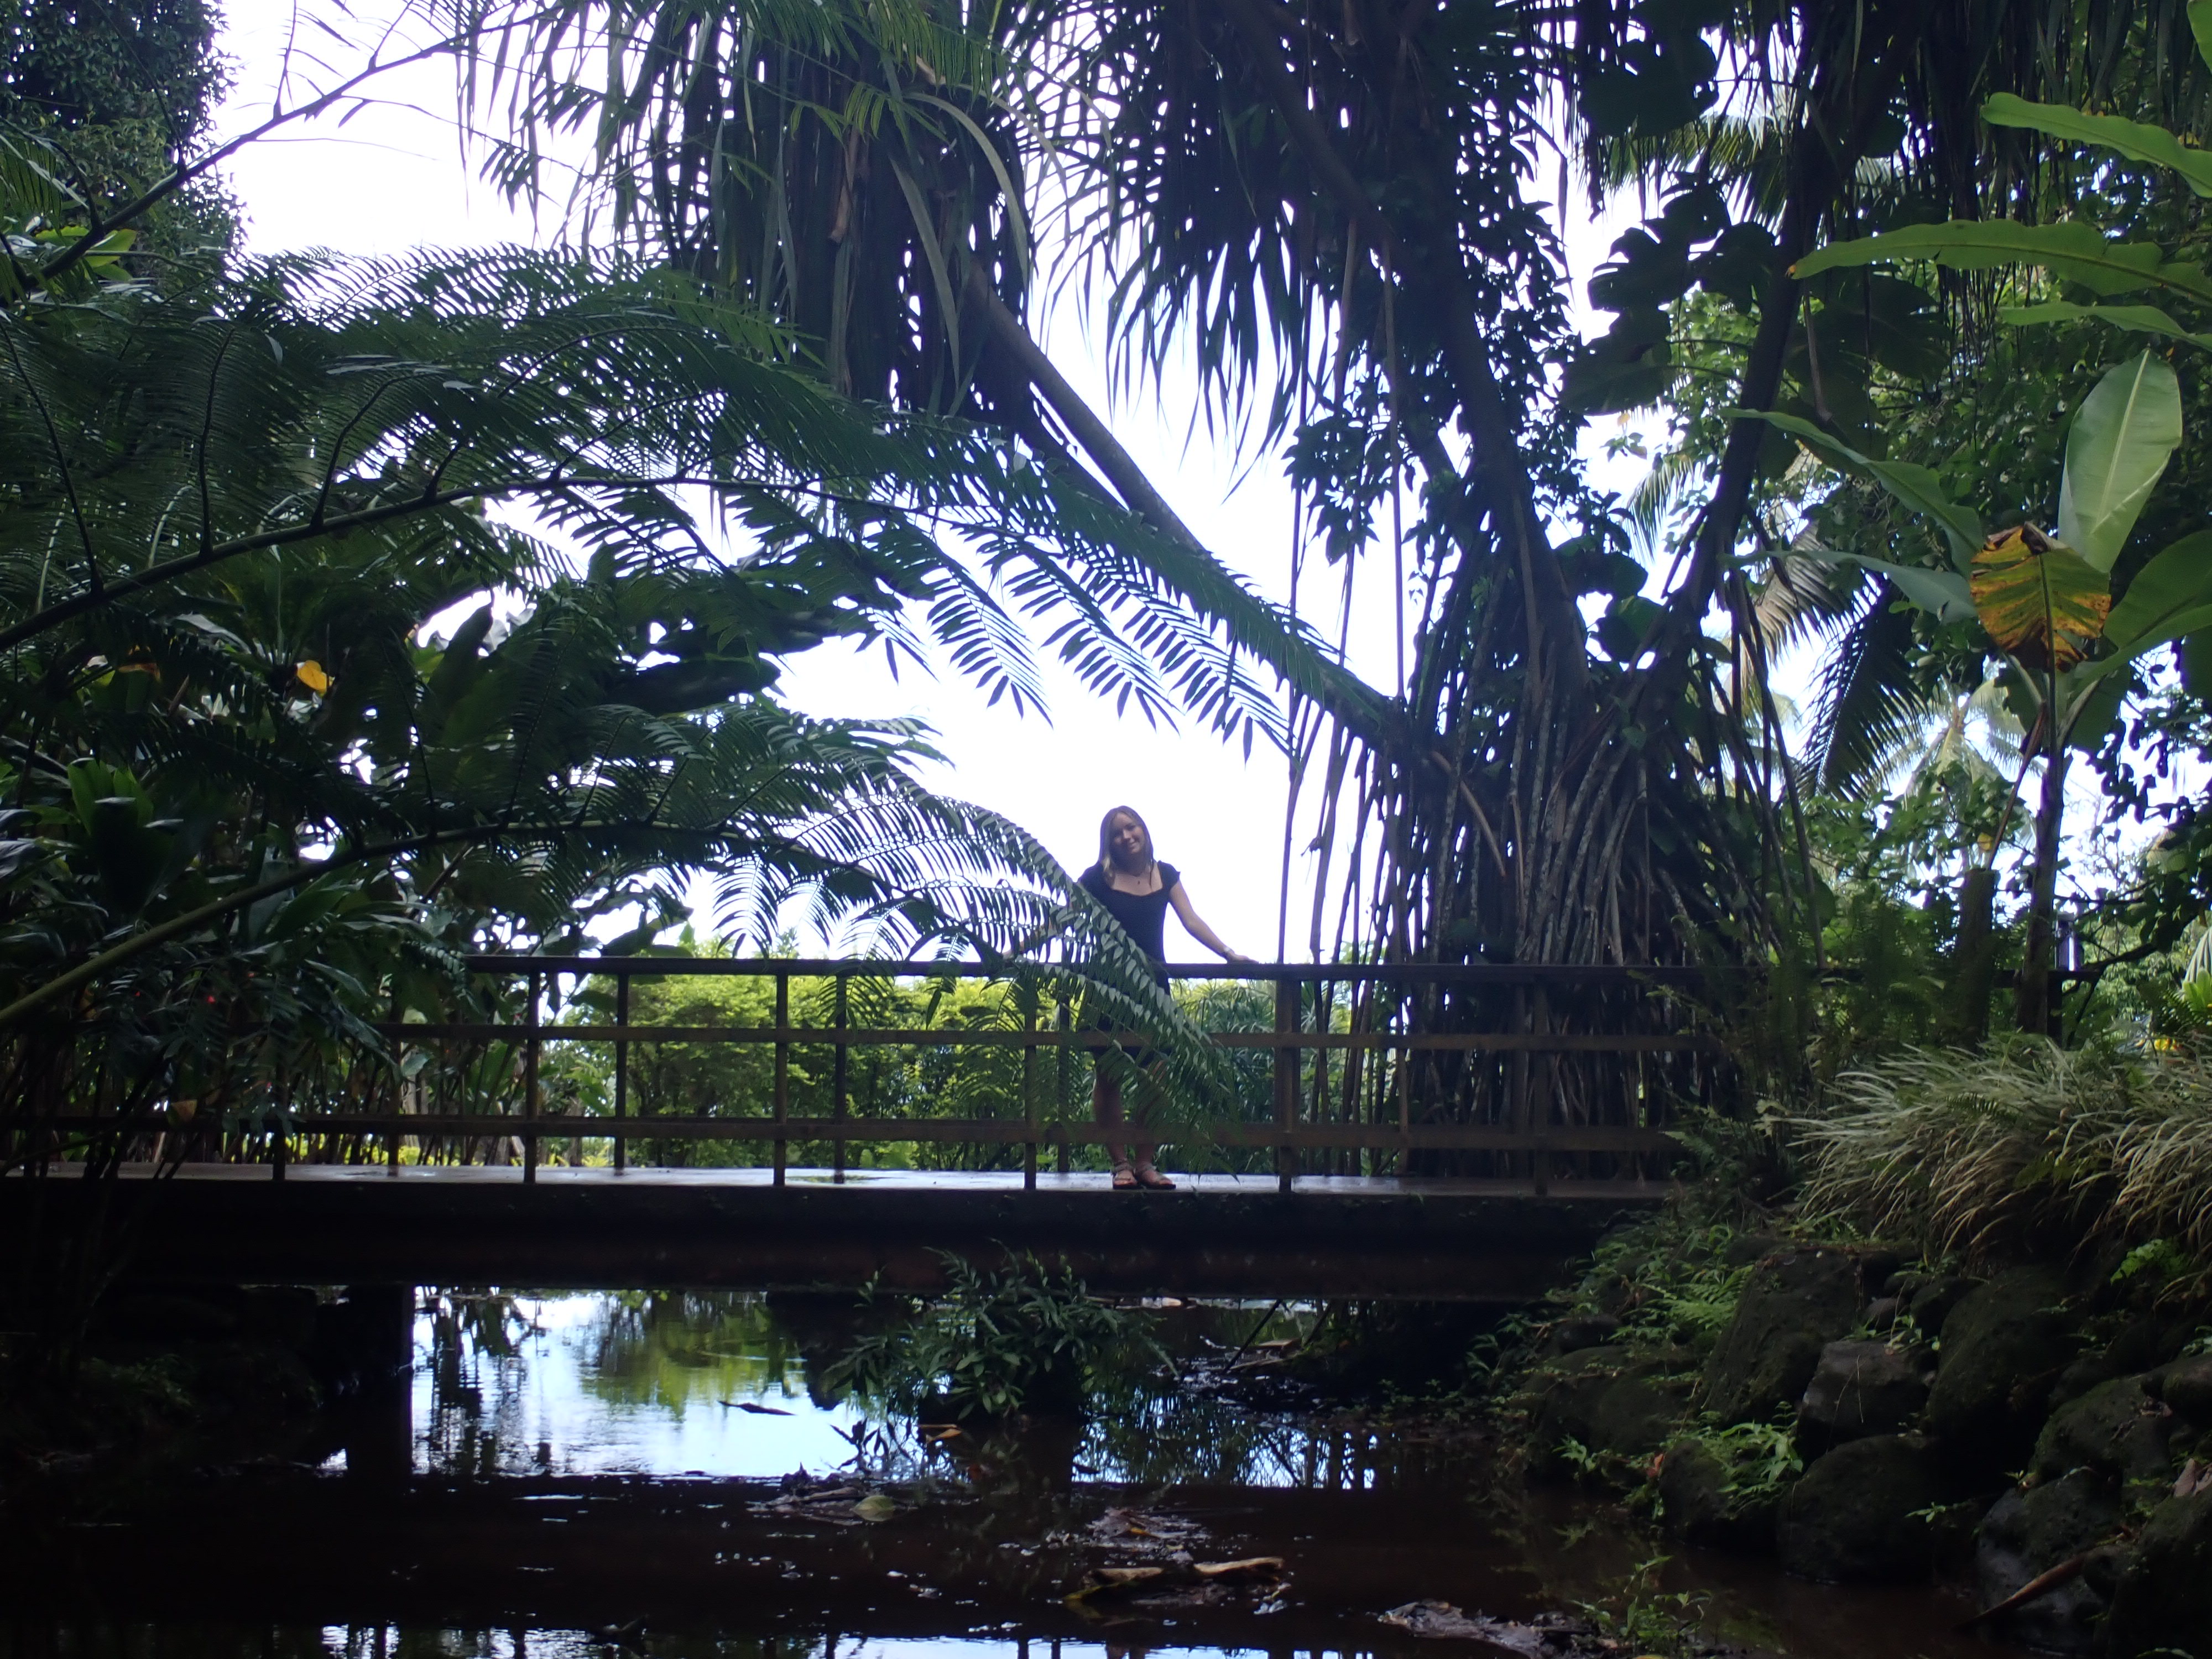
{"type": "Point", "coordinates": [1195, 926]}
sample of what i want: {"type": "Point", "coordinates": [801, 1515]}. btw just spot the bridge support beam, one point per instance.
{"type": "Point", "coordinates": [592, 1229]}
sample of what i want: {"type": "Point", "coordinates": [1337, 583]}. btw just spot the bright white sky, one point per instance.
{"type": "Point", "coordinates": [393, 178]}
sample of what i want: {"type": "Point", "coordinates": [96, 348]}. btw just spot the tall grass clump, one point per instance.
{"type": "Point", "coordinates": [2008, 1150]}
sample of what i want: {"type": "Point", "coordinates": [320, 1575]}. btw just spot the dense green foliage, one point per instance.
{"type": "Point", "coordinates": [1022, 1338]}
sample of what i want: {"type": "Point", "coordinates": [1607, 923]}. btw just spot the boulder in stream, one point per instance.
{"type": "Point", "coordinates": [1606, 1399]}
{"type": "Point", "coordinates": [1859, 1388]}
{"type": "Point", "coordinates": [1860, 1514]}
{"type": "Point", "coordinates": [1795, 1304]}
{"type": "Point", "coordinates": [2163, 1600]}
{"type": "Point", "coordinates": [2004, 1345]}
{"type": "Point", "coordinates": [2118, 1430]}
{"type": "Point", "coordinates": [2033, 1529]}
{"type": "Point", "coordinates": [2186, 1386]}
{"type": "Point", "coordinates": [1698, 1502]}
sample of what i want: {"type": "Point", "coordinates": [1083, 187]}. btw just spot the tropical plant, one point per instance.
{"type": "Point", "coordinates": [2049, 606]}
{"type": "Point", "coordinates": [1021, 1337]}
{"type": "Point", "coordinates": [1330, 212]}
{"type": "Point", "coordinates": [1979, 1154]}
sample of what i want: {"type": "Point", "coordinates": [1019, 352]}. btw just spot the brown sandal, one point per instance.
{"type": "Point", "coordinates": [1152, 1181]}
{"type": "Point", "coordinates": [1125, 1179]}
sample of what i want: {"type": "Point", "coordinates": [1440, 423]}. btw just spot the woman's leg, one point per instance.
{"type": "Point", "coordinates": [1147, 1087]}
{"type": "Point", "coordinates": [1106, 1107]}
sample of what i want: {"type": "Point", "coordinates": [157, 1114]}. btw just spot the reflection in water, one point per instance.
{"type": "Point", "coordinates": [119, 1640]}
{"type": "Point", "coordinates": [590, 1480]}
{"type": "Point", "coordinates": [630, 1382]}
{"type": "Point", "coordinates": [732, 1383]}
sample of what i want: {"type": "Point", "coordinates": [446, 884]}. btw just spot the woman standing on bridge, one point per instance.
{"type": "Point", "coordinates": [1136, 890]}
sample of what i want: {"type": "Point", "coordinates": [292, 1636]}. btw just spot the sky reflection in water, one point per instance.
{"type": "Point", "coordinates": [730, 1383]}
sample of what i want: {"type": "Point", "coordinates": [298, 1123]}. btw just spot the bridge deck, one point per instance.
{"type": "Point", "coordinates": [1218, 1235]}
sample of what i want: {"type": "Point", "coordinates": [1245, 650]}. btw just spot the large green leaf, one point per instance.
{"type": "Point", "coordinates": [2141, 320]}
{"type": "Point", "coordinates": [2127, 430]}
{"type": "Point", "coordinates": [2079, 252]}
{"type": "Point", "coordinates": [2170, 597]}
{"type": "Point", "coordinates": [2200, 25]}
{"type": "Point", "coordinates": [2040, 599]}
{"type": "Point", "coordinates": [2133, 139]}
{"type": "Point", "coordinates": [1943, 594]}
{"type": "Point", "coordinates": [1915, 486]}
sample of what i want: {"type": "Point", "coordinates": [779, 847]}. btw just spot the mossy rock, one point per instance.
{"type": "Point", "coordinates": [2003, 1347]}
{"type": "Point", "coordinates": [2033, 1529]}
{"type": "Point", "coordinates": [1932, 1300]}
{"type": "Point", "coordinates": [1698, 1504]}
{"type": "Point", "coordinates": [1859, 1388]}
{"type": "Point", "coordinates": [1859, 1514]}
{"type": "Point", "coordinates": [1610, 1398]}
{"type": "Point", "coordinates": [2163, 1600]}
{"type": "Point", "coordinates": [1794, 1305]}
{"type": "Point", "coordinates": [2118, 1430]}
{"type": "Point", "coordinates": [2186, 1386]}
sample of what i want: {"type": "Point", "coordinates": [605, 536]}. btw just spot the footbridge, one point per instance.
{"type": "Point", "coordinates": [780, 1123]}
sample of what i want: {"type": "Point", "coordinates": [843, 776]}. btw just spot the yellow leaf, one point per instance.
{"type": "Point", "coordinates": [310, 674]}
{"type": "Point", "coordinates": [2040, 599]}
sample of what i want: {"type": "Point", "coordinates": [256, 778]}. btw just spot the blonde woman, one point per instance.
{"type": "Point", "coordinates": [1136, 890]}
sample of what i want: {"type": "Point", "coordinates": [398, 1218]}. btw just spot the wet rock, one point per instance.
{"type": "Point", "coordinates": [1606, 1399]}
{"type": "Point", "coordinates": [2186, 1386]}
{"type": "Point", "coordinates": [2163, 1598]}
{"type": "Point", "coordinates": [1859, 1388]}
{"type": "Point", "coordinates": [1580, 1331]}
{"type": "Point", "coordinates": [2003, 1347]}
{"type": "Point", "coordinates": [2029, 1532]}
{"type": "Point", "coordinates": [1441, 1620]}
{"type": "Point", "coordinates": [2118, 1430]}
{"type": "Point", "coordinates": [1795, 1303]}
{"type": "Point", "coordinates": [2091, 1370]}
{"type": "Point", "coordinates": [1697, 1501]}
{"type": "Point", "coordinates": [1881, 1313]}
{"type": "Point", "coordinates": [1857, 1517]}
{"type": "Point", "coordinates": [1932, 1300]}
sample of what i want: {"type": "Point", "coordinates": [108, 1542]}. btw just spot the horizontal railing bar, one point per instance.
{"type": "Point", "coordinates": [1416, 973]}
{"type": "Point", "coordinates": [1437, 1137]}
{"type": "Point", "coordinates": [1378, 973]}
{"type": "Point", "coordinates": [867, 1036]}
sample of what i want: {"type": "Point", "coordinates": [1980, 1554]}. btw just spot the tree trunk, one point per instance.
{"type": "Point", "coordinates": [2035, 1004]}
{"type": "Point", "coordinates": [1973, 958]}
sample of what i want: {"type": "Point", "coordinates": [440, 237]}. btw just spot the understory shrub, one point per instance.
{"type": "Point", "coordinates": [1023, 1337]}
{"type": "Point", "coordinates": [1991, 1154]}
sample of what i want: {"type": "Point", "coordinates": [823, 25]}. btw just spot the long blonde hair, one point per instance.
{"type": "Point", "coordinates": [1106, 840]}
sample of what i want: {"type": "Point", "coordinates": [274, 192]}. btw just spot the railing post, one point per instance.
{"type": "Point", "coordinates": [1029, 1091]}
{"type": "Point", "coordinates": [621, 1068]}
{"type": "Point", "coordinates": [782, 1068]}
{"type": "Point", "coordinates": [530, 1090]}
{"type": "Point", "coordinates": [398, 1094]}
{"type": "Point", "coordinates": [1286, 1077]}
{"type": "Point", "coordinates": [1541, 1106]}
{"type": "Point", "coordinates": [837, 1144]}
{"type": "Point", "coordinates": [1067, 1067]}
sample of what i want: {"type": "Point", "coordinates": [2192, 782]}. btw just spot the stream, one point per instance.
{"type": "Point", "coordinates": [659, 1476]}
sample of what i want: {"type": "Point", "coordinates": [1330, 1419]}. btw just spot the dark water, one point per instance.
{"type": "Point", "coordinates": [659, 1477]}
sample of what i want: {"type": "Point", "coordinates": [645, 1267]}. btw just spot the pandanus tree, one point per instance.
{"type": "Point", "coordinates": [1334, 211]}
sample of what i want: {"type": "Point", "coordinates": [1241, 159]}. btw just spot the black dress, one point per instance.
{"type": "Point", "coordinates": [1143, 916]}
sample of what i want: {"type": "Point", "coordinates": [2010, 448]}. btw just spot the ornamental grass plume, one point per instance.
{"type": "Point", "coordinates": [1982, 1153]}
